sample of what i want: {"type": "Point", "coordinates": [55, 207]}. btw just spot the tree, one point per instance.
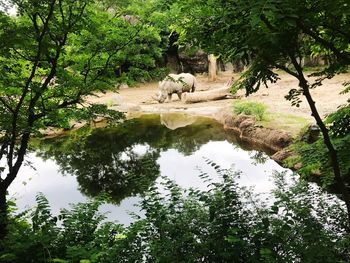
{"type": "Point", "coordinates": [278, 34]}
{"type": "Point", "coordinates": [53, 54]}
{"type": "Point", "coordinates": [30, 59]}
{"type": "Point", "coordinates": [212, 68]}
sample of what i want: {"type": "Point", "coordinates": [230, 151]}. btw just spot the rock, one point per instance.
{"type": "Point", "coordinates": [283, 139]}
{"type": "Point", "coordinates": [281, 155]}
{"type": "Point", "coordinates": [99, 119]}
{"type": "Point", "coordinates": [298, 166]}
{"type": "Point", "coordinates": [245, 126]}
{"type": "Point", "coordinates": [312, 134]}
{"type": "Point", "coordinates": [194, 63]}
{"type": "Point", "coordinates": [123, 86]}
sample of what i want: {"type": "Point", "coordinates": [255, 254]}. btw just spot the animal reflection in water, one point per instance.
{"type": "Point", "coordinates": [177, 120]}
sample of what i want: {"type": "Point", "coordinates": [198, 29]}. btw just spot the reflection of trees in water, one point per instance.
{"type": "Point", "coordinates": [258, 157]}
{"type": "Point", "coordinates": [103, 163]}
{"type": "Point", "coordinates": [120, 175]}
{"type": "Point", "coordinates": [106, 160]}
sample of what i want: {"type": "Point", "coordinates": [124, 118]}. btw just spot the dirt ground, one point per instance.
{"type": "Point", "coordinates": [138, 99]}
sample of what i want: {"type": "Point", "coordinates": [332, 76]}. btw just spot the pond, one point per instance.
{"type": "Point", "coordinates": [125, 160]}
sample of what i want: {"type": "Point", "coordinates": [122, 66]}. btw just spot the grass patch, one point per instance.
{"type": "Point", "coordinates": [273, 120]}
{"type": "Point", "coordinates": [286, 122]}
{"type": "Point", "coordinates": [255, 109]}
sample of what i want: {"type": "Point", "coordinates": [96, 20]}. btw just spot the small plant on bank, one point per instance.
{"type": "Point", "coordinates": [255, 109]}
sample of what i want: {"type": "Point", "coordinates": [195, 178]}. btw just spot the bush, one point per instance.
{"type": "Point", "coordinates": [224, 223]}
{"type": "Point", "coordinates": [256, 109]}
{"type": "Point", "coordinates": [315, 159]}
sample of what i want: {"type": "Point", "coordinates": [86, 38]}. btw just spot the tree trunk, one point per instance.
{"type": "Point", "coordinates": [5, 183]}
{"type": "Point", "coordinates": [326, 138]}
{"type": "Point", "coordinates": [332, 151]}
{"type": "Point", "coordinates": [212, 68]}
{"type": "Point", "coordinates": [3, 214]}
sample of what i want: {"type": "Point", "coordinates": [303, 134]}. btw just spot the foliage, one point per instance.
{"type": "Point", "coordinates": [303, 215]}
{"type": "Point", "coordinates": [70, 234]}
{"type": "Point", "coordinates": [271, 35]}
{"type": "Point", "coordinates": [224, 223]}
{"type": "Point", "coordinates": [268, 32]}
{"type": "Point", "coordinates": [53, 54]}
{"type": "Point", "coordinates": [82, 49]}
{"type": "Point", "coordinates": [38, 82]}
{"type": "Point", "coordinates": [256, 109]}
{"type": "Point", "coordinates": [315, 159]}
{"type": "Point", "coordinates": [117, 46]}
{"type": "Point", "coordinates": [340, 121]}
{"type": "Point", "coordinates": [279, 34]}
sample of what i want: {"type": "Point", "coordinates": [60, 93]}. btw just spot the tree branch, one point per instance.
{"type": "Point", "coordinates": [286, 69]}
{"type": "Point", "coordinates": [7, 106]}
{"type": "Point", "coordinates": [342, 56]}
{"type": "Point", "coordinates": [28, 82]}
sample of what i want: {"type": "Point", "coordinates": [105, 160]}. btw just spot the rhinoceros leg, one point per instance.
{"type": "Point", "coordinates": [179, 95]}
{"type": "Point", "coordinates": [169, 97]}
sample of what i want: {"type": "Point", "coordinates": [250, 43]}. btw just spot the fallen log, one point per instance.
{"type": "Point", "coordinates": [215, 94]}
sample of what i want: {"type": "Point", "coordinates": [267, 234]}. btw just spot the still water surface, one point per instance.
{"type": "Point", "coordinates": [125, 160]}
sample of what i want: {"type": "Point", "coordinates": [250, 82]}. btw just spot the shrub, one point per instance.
{"type": "Point", "coordinates": [256, 109]}
{"type": "Point", "coordinates": [224, 223]}
{"type": "Point", "coordinates": [315, 159]}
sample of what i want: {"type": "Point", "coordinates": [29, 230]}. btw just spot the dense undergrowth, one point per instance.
{"type": "Point", "coordinates": [314, 159]}
{"type": "Point", "coordinates": [224, 223]}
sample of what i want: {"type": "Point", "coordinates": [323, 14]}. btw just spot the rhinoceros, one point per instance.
{"type": "Point", "coordinates": [175, 83]}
